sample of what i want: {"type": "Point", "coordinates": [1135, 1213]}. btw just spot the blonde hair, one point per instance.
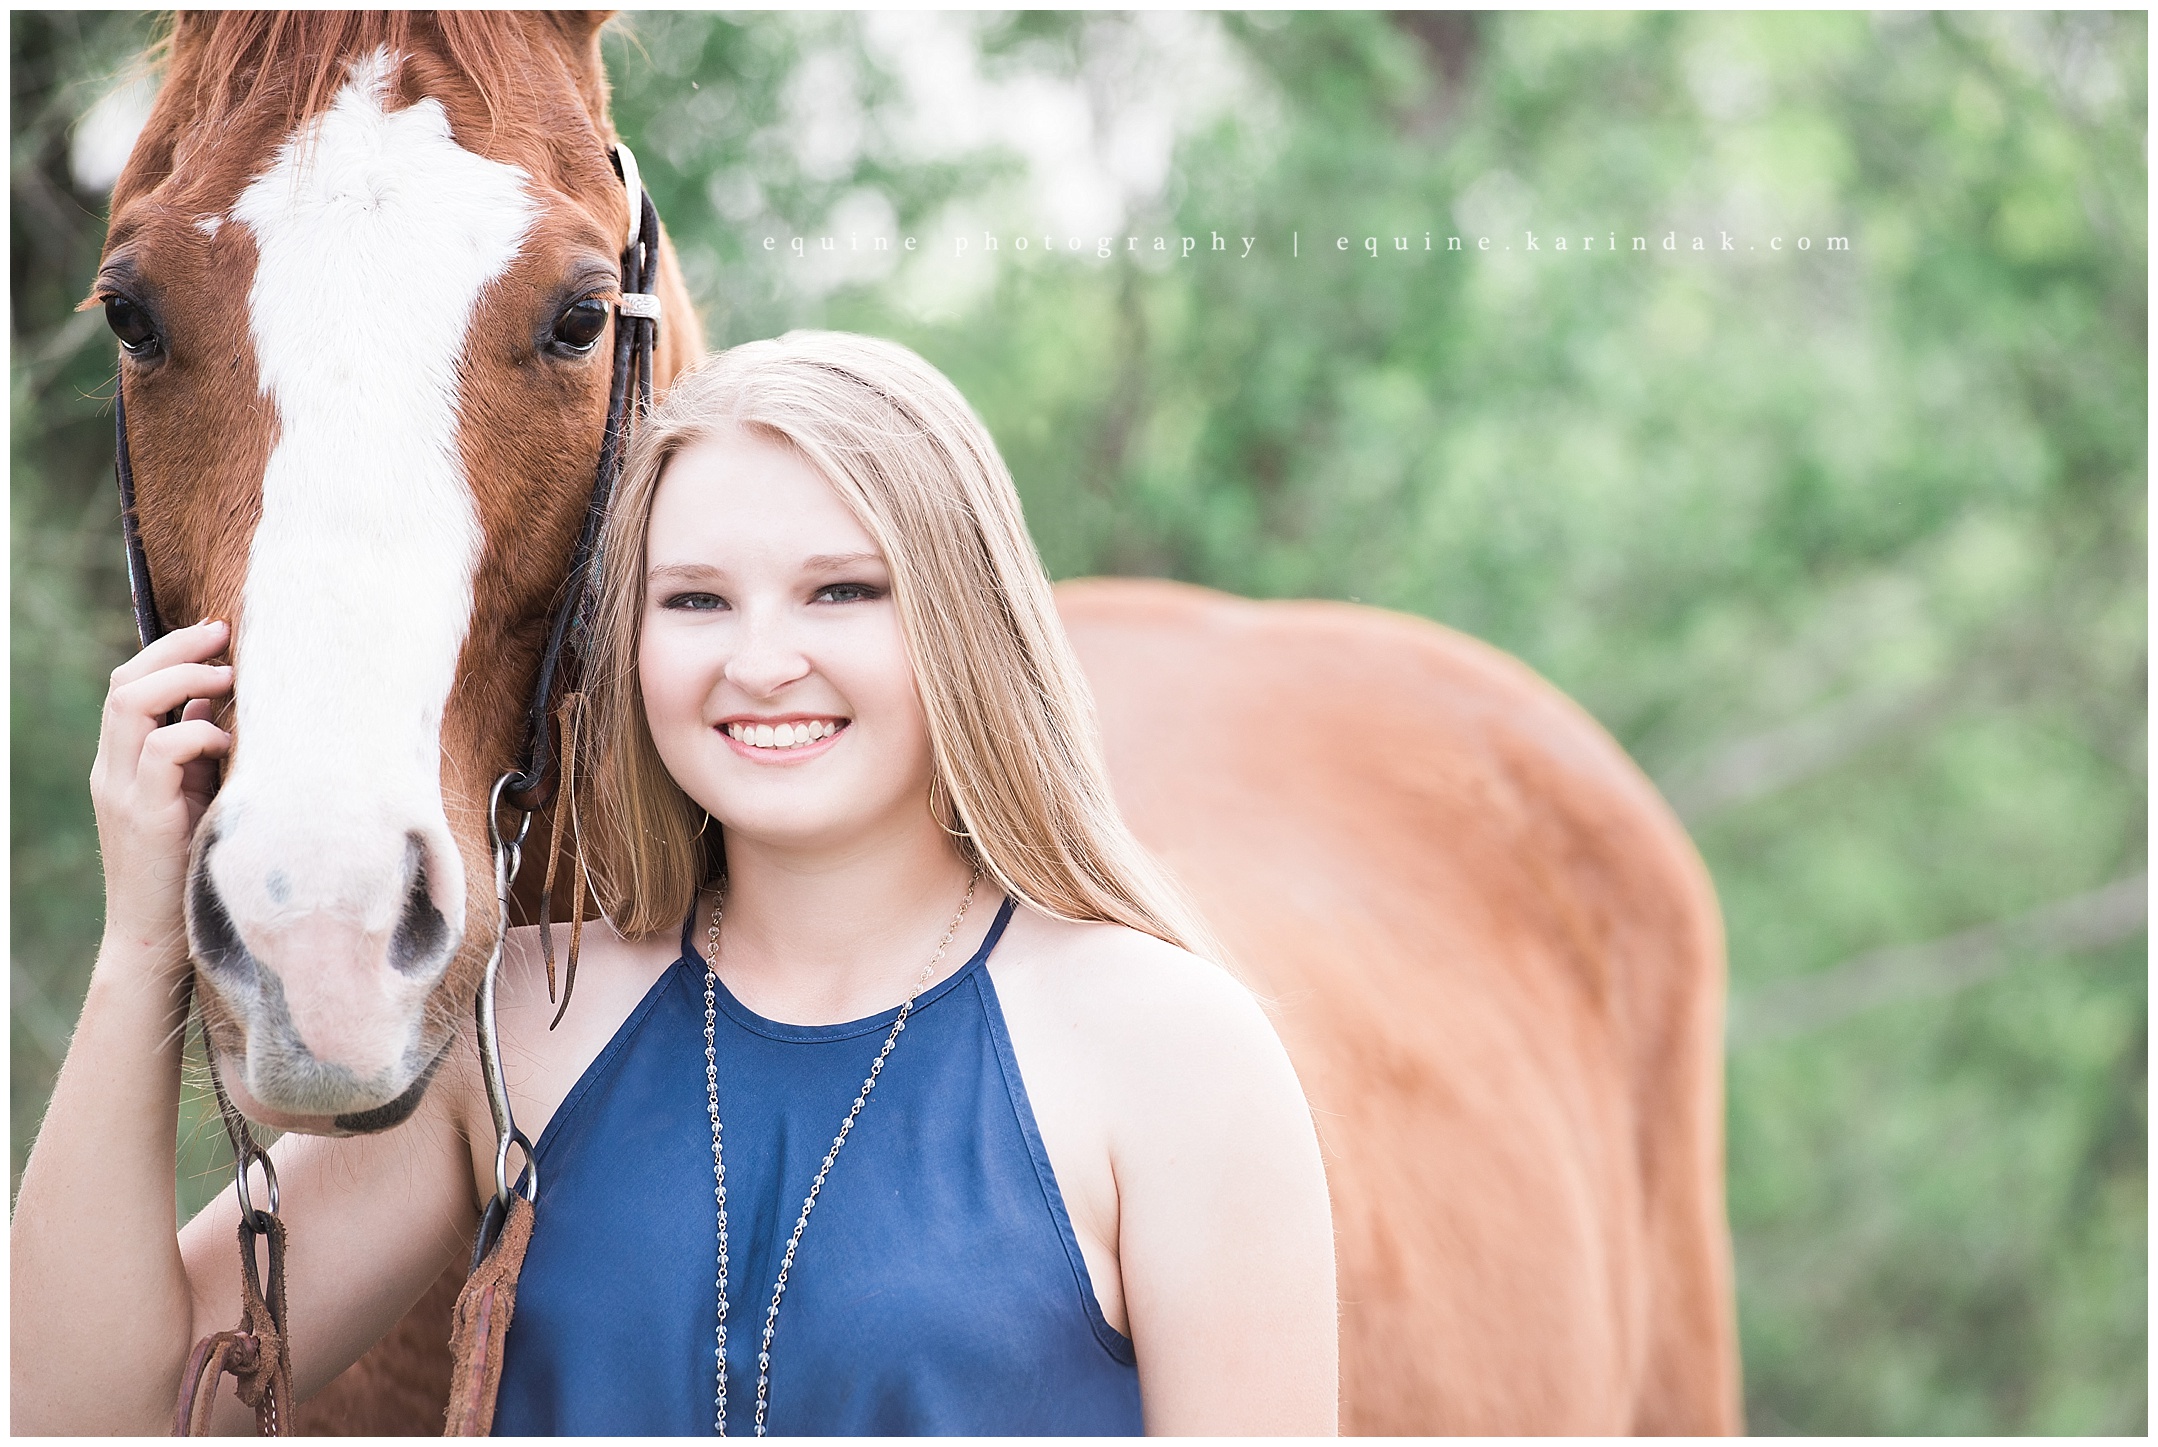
{"type": "Point", "coordinates": [1012, 738]}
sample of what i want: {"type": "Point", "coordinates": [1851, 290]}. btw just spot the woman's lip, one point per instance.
{"type": "Point", "coordinates": [781, 756]}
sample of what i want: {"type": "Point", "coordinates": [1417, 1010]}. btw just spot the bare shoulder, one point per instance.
{"type": "Point", "coordinates": [1151, 1014]}
{"type": "Point", "coordinates": [1123, 976]}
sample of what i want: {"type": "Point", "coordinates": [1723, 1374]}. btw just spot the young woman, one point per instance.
{"type": "Point", "coordinates": [893, 1098]}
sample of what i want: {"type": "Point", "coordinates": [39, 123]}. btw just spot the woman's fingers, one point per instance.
{"type": "Point", "coordinates": [156, 694]}
{"type": "Point", "coordinates": [133, 710]}
{"type": "Point", "coordinates": [182, 645]}
{"type": "Point", "coordinates": [152, 780]}
{"type": "Point", "coordinates": [198, 776]}
{"type": "Point", "coordinates": [170, 750]}
{"type": "Point", "coordinates": [146, 820]}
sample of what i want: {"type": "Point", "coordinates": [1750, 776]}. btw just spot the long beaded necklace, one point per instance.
{"type": "Point", "coordinates": [809, 1202]}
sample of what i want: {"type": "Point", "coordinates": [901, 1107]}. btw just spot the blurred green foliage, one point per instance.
{"type": "Point", "coordinates": [1846, 547]}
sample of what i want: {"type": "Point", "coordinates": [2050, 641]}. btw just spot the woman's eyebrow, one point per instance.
{"type": "Point", "coordinates": [674, 571]}
{"type": "Point", "coordinates": [833, 562]}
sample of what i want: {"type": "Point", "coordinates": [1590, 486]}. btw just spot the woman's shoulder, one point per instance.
{"type": "Point", "coordinates": [1167, 1062]}
{"type": "Point", "coordinates": [1135, 1001]}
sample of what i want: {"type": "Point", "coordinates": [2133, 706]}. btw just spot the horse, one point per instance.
{"type": "Point", "coordinates": [350, 263]}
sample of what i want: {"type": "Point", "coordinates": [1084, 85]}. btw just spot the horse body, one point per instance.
{"type": "Point", "coordinates": [1492, 953]}
{"type": "Point", "coordinates": [1497, 963]}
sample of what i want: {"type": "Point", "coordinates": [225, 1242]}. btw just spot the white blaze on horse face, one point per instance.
{"type": "Point", "coordinates": [375, 235]}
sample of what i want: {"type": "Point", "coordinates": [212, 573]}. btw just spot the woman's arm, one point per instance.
{"type": "Point", "coordinates": [100, 1299]}
{"type": "Point", "coordinates": [1225, 1236]}
{"type": "Point", "coordinates": [106, 1299]}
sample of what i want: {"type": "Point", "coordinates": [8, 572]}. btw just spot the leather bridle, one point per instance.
{"type": "Point", "coordinates": [258, 1353]}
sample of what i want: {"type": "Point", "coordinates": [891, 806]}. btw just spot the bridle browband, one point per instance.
{"type": "Point", "coordinates": [526, 788]}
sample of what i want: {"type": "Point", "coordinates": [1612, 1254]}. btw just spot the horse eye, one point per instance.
{"type": "Point", "coordinates": [131, 324]}
{"type": "Point", "coordinates": [580, 324]}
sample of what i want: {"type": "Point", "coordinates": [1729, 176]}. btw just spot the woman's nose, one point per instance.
{"type": "Point", "coordinates": [768, 659]}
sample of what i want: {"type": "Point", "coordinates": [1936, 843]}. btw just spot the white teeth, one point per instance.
{"type": "Point", "coordinates": [781, 736]}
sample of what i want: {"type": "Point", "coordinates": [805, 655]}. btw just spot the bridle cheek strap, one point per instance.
{"type": "Point", "coordinates": [534, 783]}
{"type": "Point", "coordinates": [636, 332]}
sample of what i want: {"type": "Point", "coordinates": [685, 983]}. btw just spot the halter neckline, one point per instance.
{"type": "Point", "coordinates": [755, 1023]}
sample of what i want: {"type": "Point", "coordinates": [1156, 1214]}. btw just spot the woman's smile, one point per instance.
{"type": "Point", "coordinates": [785, 739]}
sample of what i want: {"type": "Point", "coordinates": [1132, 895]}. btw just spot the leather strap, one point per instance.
{"type": "Point", "coordinates": [482, 1319]}
{"type": "Point", "coordinates": [255, 1353]}
{"type": "Point", "coordinates": [565, 815]}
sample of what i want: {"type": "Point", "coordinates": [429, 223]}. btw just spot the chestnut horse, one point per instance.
{"type": "Point", "coordinates": [346, 262]}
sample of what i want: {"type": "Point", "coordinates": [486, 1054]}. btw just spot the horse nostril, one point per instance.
{"type": "Point", "coordinates": [216, 941]}
{"type": "Point", "coordinates": [421, 931]}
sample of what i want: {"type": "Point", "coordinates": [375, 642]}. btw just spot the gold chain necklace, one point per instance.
{"type": "Point", "coordinates": [809, 1202]}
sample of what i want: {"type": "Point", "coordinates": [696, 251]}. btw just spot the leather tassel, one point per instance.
{"type": "Point", "coordinates": [565, 815]}
{"type": "Point", "coordinates": [256, 1353]}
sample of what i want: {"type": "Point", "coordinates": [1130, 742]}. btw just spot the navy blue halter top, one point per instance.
{"type": "Point", "coordinates": [937, 1290]}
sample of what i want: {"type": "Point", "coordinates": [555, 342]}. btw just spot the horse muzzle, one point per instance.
{"type": "Point", "coordinates": [322, 962]}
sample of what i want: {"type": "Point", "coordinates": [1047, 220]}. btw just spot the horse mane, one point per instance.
{"type": "Point", "coordinates": [237, 60]}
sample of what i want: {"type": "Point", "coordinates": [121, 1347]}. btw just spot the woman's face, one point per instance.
{"type": "Point", "coordinates": [775, 676]}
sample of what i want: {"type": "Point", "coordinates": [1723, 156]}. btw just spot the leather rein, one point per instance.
{"type": "Point", "coordinates": [257, 1353]}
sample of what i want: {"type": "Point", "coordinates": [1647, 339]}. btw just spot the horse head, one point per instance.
{"type": "Point", "coordinates": [362, 269]}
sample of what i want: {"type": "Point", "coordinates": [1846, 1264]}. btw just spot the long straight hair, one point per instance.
{"type": "Point", "coordinates": [1014, 749]}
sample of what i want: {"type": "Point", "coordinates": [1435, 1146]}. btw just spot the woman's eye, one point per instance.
{"type": "Point", "coordinates": [848, 593]}
{"type": "Point", "coordinates": [579, 327]}
{"type": "Point", "coordinates": [132, 325]}
{"type": "Point", "coordinates": [694, 602]}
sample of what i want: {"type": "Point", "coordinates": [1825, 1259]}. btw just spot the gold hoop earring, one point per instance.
{"type": "Point", "coordinates": [702, 827]}
{"type": "Point", "coordinates": [936, 812]}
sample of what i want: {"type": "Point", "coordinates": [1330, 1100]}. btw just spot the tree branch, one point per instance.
{"type": "Point", "coordinates": [1768, 762]}
{"type": "Point", "coordinates": [1938, 967]}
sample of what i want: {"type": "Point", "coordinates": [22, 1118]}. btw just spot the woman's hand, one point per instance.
{"type": "Point", "coordinates": [152, 780]}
